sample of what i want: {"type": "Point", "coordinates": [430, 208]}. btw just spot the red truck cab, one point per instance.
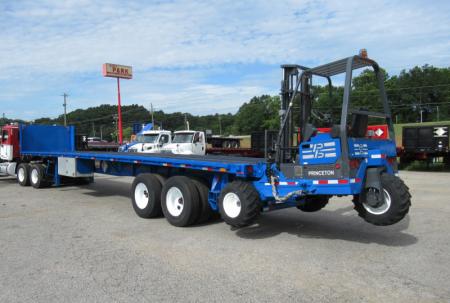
{"type": "Point", "coordinates": [9, 143]}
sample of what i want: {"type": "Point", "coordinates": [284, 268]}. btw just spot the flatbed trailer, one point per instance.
{"type": "Point", "coordinates": [187, 189]}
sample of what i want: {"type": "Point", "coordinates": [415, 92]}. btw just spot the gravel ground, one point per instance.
{"type": "Point", "coordinates": [85, 244]}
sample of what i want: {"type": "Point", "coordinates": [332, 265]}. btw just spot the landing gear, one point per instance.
{"type": "Point", "coordinates": [386, 206]}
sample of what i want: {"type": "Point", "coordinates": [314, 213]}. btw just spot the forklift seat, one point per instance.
{"type": "Point", "coordinates": [358, 128]}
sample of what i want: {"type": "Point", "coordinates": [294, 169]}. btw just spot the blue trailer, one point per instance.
{"type": "Point", "coordinates": [303, 174]}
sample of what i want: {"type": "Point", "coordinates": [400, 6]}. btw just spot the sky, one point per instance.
{"type": "Point", "coordinates": [194, 56]}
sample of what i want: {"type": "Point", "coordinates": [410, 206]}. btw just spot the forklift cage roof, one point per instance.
{"type": "Point", "coordinates": [340, 66]}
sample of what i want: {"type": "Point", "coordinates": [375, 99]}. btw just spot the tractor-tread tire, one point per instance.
{"type": "Point", "coordinates": [26, 180]}
{"type": "Point", "coordinates": [154, 187]}
{"type": "Point", "coordinates": [313, 203]}
{"type": "Point", "coordinates": [190, 212]}
{"type": "Point", "coordinates": [400, 202]}
{"type": "Point", "coordinates": [250, 203]}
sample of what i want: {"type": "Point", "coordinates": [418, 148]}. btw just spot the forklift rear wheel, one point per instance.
{"type": "Point", "coordinates": [180, 201]}
{"type": "Point", "coordinates": [239, 204]}
{"type": "Point", "coordinates": [146, 196]}
{"type": "Point", "coordinates": [23, 174]}
{"type": "Point", "coordinates": [392, 208]}
{"type": "Point", "coordinates": [37, 176]}
{"type": "Point", "coordinates": [313, 203]}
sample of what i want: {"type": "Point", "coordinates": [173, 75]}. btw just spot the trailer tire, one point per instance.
{"type": "Point", "coordinates": [313, 203]}
{"type": "Point", "coordinates": [397, 201]}
{"type": "Point", "coordinates": [23, 174]}
{"type": "Point", "coordinates": [205, 211]}
{"type": "Point", "coordinates": [239, 204]}
{"type": "Point", "coordinates": [146, 196]}
{"type": "Point", "coordinates": [38, 179]}
{"type": "Point", "coordinates": [180, 201]}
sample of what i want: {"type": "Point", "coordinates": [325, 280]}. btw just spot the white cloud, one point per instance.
{"type": "Point", "coordinates": [63, 43]}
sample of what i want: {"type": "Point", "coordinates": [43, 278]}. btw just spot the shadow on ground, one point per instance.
{"type": "Point", "coordinates": [339, 224]}
{"type": "Point", "coordinates": [328, 224]}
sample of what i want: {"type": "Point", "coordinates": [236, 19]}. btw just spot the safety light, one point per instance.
{"type": "Point", "coordinates": [363, 53]}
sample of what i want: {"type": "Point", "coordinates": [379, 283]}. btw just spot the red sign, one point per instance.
{"type": "Point", "coordinates": [117, 71]}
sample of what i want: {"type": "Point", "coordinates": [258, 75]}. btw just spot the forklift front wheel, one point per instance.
{"type": "Point", "coordinates": [392, 208]}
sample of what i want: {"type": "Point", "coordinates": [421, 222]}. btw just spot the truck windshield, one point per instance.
{"type": "Point", "coordinates": [147, 138]}
{"type": "Point", "coordinates": [183, 138]}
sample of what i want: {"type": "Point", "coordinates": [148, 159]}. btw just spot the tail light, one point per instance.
{"type": "Point", "coordinates": [354, 163]}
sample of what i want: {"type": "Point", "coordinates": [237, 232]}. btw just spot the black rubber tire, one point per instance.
{"type": "Point", "coordinates": [41, 181]}
{"type": "Point", "coordinates": [154, 187]}
{"type": "Point", "coordinates": [161, 179]}
{"type": "Point", "coordinates": [205, 211]}
{"type": "Point", "coordinates": [400, 202]}
{"type": "Point", "coordinates": [191, 201]}
{"type": "Point", "coordinates": [250, 203]}
{"type": "Point", "coordinates": [313, 203]}
{"type": "Point", "coordinates": [26, 180]}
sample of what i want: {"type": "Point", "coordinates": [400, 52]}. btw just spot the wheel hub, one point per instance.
{"type": "Point", "coordinates": [232, 205]}
{"type": "Point", "coordinates": [141, 196]}
{"type": "Point", "coordinates": [175, 201]}
{"type": "Point", "coordinates": [379, 205]}
{"type": "Point", "coordinates": [34, 176]}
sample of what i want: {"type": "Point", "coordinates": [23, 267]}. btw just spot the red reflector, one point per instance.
{"type": "Point", "coordinates": [249, 169]}
{"type": "Point", "coordinates": [337, 166]}
{"type": "Point", "coordinates": [342, 181]}
{"type": "Point", "coordinates": [354, 163]}
{"type": "Point", "coordinates": [323, 181]}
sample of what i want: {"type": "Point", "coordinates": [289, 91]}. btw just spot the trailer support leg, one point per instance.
{"type": "Point", "coordinates": [56, 177]}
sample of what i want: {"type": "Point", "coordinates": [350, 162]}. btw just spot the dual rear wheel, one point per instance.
{"type": "Point", "coordinates": [32, 174]}
{"type": "Point", "coordinates": [184, 201]}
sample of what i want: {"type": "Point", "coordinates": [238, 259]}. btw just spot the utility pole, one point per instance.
{"type": "Point", "coordinates": [151, 112]}
{"type": "Point", "coordinates": [186, 122]}
{"type": "Point", "coordinates": [101, 132]}
{"type": "Point", "coordinates": [65, 108]}
{"type": "Point", "coordinates": [437, 112]}
{"type": "Point", "coordinates": [93, 129]}
{"type": "Point", "coordinates": [220, 126]}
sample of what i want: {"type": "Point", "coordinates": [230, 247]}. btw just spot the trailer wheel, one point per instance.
{"type": "Point", "coordinates": [313, 203]}
{"type": "Point", "coordinates": [391, 209]}
{"type": "Point", "coordinates": [37, 176]}
{"type": "Point", "coordinates": [180, 201]}
{"type": "Point", "coordinates": [146, 196]}
{"type": "Point", "coordinates": [205, 211]}
{"type": "Point", "coordinates": [23, 174]}
{"type": "Point", "coordinates": [239, 204]}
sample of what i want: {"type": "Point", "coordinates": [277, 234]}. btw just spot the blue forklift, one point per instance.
{"type": "Point", "coordinates": [304, 168]}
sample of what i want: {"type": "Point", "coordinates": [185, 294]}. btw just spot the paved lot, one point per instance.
{"type": "Point", "coordinates": [85, 244]}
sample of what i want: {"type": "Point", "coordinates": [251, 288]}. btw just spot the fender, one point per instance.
{"type": "Point", "coordinates": [373, 177]}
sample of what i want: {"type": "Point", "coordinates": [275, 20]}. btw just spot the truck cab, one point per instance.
{"type": "Point", "coordinates": [148, 141]}
{"type": "Point", "coordinates": [9, 149]}
{"type": "Point", "coordinates": [187, 142]}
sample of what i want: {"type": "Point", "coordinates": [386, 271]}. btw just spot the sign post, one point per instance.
{"type": "Point", "coordinates": [118, 71]}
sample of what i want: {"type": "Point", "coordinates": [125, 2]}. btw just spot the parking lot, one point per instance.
{"type": "Point", "coordinates": [86, 244]}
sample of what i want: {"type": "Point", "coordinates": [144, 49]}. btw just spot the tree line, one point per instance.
{"type": "Point", "coordinates": [419, 94]}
